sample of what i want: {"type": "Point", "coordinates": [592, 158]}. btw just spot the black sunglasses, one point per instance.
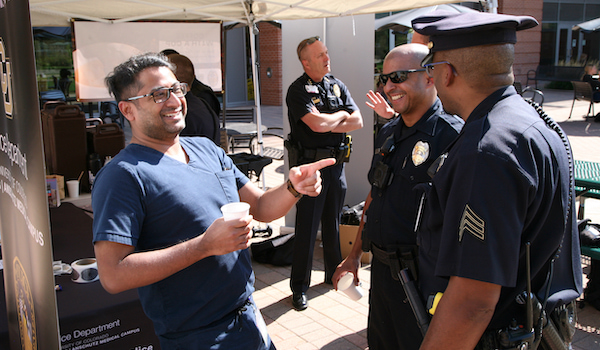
{"type": "Point", "coordinates": [398, 76]}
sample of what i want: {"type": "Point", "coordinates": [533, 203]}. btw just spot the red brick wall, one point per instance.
{"type": "Point", "coordinates": [527, 49]}
{"type": "Point", "coordinates": [269, 42]}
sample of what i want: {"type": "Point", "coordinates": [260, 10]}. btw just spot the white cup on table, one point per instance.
{"type": "Point", "coordinates": [73, 187]}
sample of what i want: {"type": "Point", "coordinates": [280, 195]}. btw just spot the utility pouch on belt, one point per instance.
{"type": "Point", "coordinates": [399, 258]}
{"type": "Point", "coordinates": [346, 148]}
{"type": "Point", "coordinates": [294, 151]}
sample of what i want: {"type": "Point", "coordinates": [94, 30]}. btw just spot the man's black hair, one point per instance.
{"type": "Point", "coordinates": [168, 52]}
{"type": "Point", "coordinates": [125, 76]}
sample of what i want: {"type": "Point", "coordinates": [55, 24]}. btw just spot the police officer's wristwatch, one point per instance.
{"type": "Point", "coordinates": [292, 190]}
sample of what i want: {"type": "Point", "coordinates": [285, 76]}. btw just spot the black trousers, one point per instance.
{"type": "Point", "coordinates": [392, 324]}
{"type": "Point", "coordinates": [325, 209]}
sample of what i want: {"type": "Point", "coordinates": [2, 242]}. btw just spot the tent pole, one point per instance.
{"type": "Point", "coordinates": [255, 63]}
{"type": "Point", "coordinates": [491, 6]}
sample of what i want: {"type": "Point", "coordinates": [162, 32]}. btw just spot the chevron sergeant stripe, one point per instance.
{"type": "Point", "coordinates": [471, 223]}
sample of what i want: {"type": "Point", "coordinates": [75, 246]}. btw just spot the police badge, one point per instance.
{"type": "Point", "coordinates": [420, 153]}
{"type": "Point", "coordinates": [336, 90]}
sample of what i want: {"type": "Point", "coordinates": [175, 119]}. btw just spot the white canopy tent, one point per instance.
{"type": "Point", "coordinates": [59, 12]}
{"type": "Point", "coordinates": [589, 26]}
{"type": "Point", "coordinates": [249, 12]}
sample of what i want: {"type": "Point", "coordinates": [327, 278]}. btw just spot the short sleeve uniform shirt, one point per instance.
{"type": "Point", "coordinates": [503, 183]}
{"type": "Point", "coordinates": [328, 96]}
{"type": "Point", "coordinates": [392, 213]}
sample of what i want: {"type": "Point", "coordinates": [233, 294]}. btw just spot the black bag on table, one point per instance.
{"type": "Point", "coordinates": [589, 235]}
{"type": "Point", "coordinates": [276, 251]}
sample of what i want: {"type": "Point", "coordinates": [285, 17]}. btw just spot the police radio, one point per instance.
{"type": "Point", "coordinates": [382, 173]}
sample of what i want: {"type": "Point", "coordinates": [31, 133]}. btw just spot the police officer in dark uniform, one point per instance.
{"type": "Point", "coordinates": [404, 149]}
{"type": "Point", "coordinates": [502, 189]}
{"type": "Point", "coordinates": [320, 112]}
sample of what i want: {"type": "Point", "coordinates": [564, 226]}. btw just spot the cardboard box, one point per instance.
{"type": "Point", "coordinates": [60, 182]}
{"type": "Point", "coordinates": [347, 240]}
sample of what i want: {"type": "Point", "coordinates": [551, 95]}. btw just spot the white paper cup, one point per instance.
{"type": "Point", "coordinates": [346, 285]}
{"type": "Point", "coordinates": [73, 187]}
{"type": "Point", "coordinates": [234, 211]}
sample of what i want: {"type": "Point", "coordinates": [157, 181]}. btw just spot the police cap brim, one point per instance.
{"type": "Point", "coordinates": [448, 30]}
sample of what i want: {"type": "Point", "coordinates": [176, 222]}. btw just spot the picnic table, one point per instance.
{"type": "Point", "coordinates": [587, 185]}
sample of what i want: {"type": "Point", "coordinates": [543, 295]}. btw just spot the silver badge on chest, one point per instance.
{"type": "Point", "coordinates": [420, 153]}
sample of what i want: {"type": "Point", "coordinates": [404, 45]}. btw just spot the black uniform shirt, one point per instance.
{"type": "Point", "coordinates": [205, 92]}
{"type": "Point", "coordinates": [505, 182]}
{"type": "Point", "coordinates": [328, 96]}
{"type": "Point", "coordinates": [392, 212]}
{"type": "Point", "coordinates": [201, 120]}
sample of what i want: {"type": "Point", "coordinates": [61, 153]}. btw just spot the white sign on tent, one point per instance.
{"type": "Point", "coordinates": [99, 47]}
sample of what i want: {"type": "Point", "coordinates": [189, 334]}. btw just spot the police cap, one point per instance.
{"type": "Point", "coordinates": [448, 30]}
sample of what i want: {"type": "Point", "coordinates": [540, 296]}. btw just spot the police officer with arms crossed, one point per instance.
{"type": "Point", "coordinates": [320, 112]}
{"type": "Point", "coordinates": [502, 185]}
{"type": "Point", "coordinates": [158, 225]}
{"type": "Point", "coordinates": [405, 148]}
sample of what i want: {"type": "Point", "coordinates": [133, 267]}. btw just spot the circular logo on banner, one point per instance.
{"type": "Point", "coordinates": [25, 311]}
{"type": "Point", "coordinates": [420, 153]}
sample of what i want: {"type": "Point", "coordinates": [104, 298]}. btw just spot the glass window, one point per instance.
{"type": "Point", "coordinates": [592, 11]}
{"type": "Point", "coordinates": [54, 58]}
{"type": "Point", "coordinates": [550, 12]}
{"type": "Point", "coordinates": [571, 12]}
{"type": "Point", "coordinates": [548, 43]}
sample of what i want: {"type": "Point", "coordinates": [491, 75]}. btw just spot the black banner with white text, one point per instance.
{"type": "Point", "coordinates": [24, 221]}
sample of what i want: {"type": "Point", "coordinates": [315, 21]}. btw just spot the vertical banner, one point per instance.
{"type": "Point", "coordinates": [24, 219]}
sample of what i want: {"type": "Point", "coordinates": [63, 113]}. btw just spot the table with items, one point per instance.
{"type": "Point", "coordinates": [89, 317]}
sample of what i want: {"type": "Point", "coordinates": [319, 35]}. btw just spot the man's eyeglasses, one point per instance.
{"type": "Point", "coordinates": [306, 42]}
{"type": "Point", "coordinates": [398, 76]}
{"type": "Point", "coordinates": [430, 66]}
{"type": "Point", "coordinates": [163, 94]}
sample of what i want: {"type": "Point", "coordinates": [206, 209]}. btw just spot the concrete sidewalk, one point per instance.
{"type": "Point", "coordinates": [333, 321]}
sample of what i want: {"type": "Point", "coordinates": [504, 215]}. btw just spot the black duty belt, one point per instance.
{"type": "Point", "coordinates": [320, 153]}
{"type": "Point", "coordinates": [397, 258]}
{"type": "Point", "coordinates": [383, 256]}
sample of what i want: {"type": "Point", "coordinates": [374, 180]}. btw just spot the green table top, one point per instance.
{"type": "Point", "coordinates": [587, 177]}
{"type": "Point", "coordinates": [593, 253]}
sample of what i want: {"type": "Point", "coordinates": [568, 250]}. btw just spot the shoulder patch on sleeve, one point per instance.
{"type": "Point", "coordinates": [472, 224]}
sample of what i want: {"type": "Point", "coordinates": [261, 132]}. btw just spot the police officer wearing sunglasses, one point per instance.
{"type": "Point", "coordinates": [404, 149]}
{"type": "Point", "coordinates": [321, 112]}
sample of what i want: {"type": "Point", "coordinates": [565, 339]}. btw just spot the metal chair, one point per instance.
{"type": "Point", "coordinates": [110, 113]}
{"type": "Point", "coordinates": [532, 75]}
{"type": "Point", "coordinates": [269, 152]}
{"type": "Point", "coordinates": [536, 94]}
{"type": "Point", "coordinates": [582, 91]}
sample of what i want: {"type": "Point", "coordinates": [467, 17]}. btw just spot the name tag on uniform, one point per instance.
{"type": "Point", "coordinates": [312, 89]}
